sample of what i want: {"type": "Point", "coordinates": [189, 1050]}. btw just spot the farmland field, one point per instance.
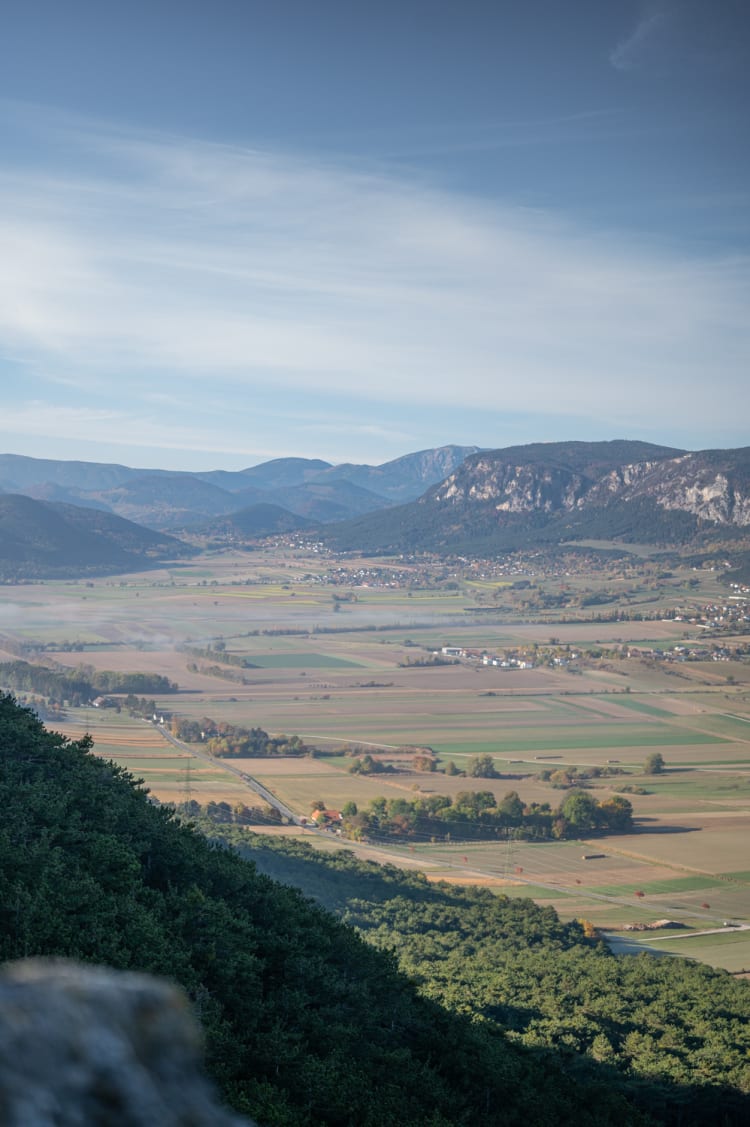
{"type": "Point", "coordinates": [140, 749]}
{"type": "Point", "coordinates": [258, 639]}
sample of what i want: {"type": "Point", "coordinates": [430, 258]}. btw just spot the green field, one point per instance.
{"type": "Point", "coordinates": [730, 950]}
{"type": "Point", "coordinates": [679, 884]}
{"type": "Point", "coordinates": [604, 738]}
{"type": "Point", "coordinates": [642, 706]}
{"type": "Point", "coordinates": [343, 676]}
{"type": "Point", "coordinates": [302, 661]}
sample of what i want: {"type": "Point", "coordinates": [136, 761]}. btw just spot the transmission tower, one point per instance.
{"type": "Point", "coordinates": [509, 854]}
{"type": "Point", "coordinates": [187, 781]}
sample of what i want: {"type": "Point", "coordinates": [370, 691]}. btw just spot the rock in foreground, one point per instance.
{"type": "Point", "coordinates": [83, 1046]}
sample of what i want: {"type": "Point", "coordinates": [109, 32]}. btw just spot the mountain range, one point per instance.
{"type": "Point", "coordinates": [167, 500]}
{"type": "Point", "coordinates": [560, 491]}
{"type": "Point", "coordinates": [453, 499]}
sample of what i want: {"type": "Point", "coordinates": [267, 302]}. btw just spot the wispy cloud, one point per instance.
{"type": "Point", "coordinates": [629, 52]}
{"type": "Point", "coordinates": [685, 34]}
{"type": "Point", "coordinates": [210, 275]}
{"type": "Point", "coordinates": [116, 429]}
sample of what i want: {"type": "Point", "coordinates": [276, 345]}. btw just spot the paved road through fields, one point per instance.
{"type": "Point", "coordinates": [248, 780]}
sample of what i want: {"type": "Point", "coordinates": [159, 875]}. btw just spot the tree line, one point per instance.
{"type": "Point", "coordinates": [479, 815]}
{"type": "Point", "coordinates": [232, 740]}
{"type": "Point", "coordinates": [81, 685]}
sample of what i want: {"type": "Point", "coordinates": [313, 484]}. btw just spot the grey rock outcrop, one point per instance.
{"type": "Point", "coordinates": [85, 1046]}
{"type": "Point", "coordinates": [713, 485]}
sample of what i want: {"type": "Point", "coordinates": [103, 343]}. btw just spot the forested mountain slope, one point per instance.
{"type": "Point", "coordinates": [38, 538]}
{"type": "Point", "coordinates": [305, 1023]}
{"type": "Point", "coordinates": [560, 491]}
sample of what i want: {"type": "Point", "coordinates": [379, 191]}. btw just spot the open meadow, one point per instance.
{"type": "Point", "coordinates": [277, 639]}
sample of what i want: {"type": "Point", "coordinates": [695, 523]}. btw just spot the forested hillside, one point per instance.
{"type": "Point", "coordinates": [40, 539]}
{"type": "Point", "coordinates": [673, 1032]}
{"type": "Point", "coordinates": [306, 1023]}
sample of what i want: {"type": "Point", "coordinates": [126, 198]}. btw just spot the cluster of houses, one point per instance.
{"type": "Point", "coordinates": [728, 617]}
{"type": "Point", "coordinates": [690, 651]}
{"type": "Point", "coordinates": [362, 577]}
{"type": "Point", "coordinates": [484, 658]}
{"type": "Point", "coordinates": [693, 653]}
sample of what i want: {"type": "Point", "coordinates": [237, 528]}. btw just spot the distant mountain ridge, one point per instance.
{"type": "Point", "coordinates": [404, 478]}
{"type": "Point", "coordinates": [172, 500]}
{"type": "Point", "coordinates": [487, 501]}
{"type": "Point", "coordinates": [550, 492]}
{"type": "Point", "coordinates": [260, 519]}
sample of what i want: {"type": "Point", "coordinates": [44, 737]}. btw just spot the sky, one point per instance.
{"type": "Point", "coordinates": [249, 229]}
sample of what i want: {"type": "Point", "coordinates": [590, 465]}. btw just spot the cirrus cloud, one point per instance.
{"type": "Point", "coordinates": [169, 262]}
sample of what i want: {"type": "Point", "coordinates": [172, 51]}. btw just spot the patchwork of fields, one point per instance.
{"type": "Point", "coordinates": [354, 673]}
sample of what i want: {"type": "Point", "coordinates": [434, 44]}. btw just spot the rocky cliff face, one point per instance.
{"type": "Point", "coordinates": [711, 485]}
{"type": "Point", "coordinates": [513, 488]}
{"type": "Point", "coordinates": [431, 465]}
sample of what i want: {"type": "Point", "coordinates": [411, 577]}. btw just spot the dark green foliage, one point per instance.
{"type": "Point", "coordinates": [640, 519]}
{"type": "Point", "coordinates": [476, 815]}
{"type": "Point", "coordinates": [474, 529]}
{"type": "Point", "coordinates": [366, 765]}
{"type": "Point", "coordinates": [654, 764]}
{"type": "Point", "coordinates": [589, 459]}
{"type": "Point", "coordinates": [305, 1023]}
{"type": "Point", "coordinates": [675, 1034]}
{"type": "Point", "coordinates": [79, 685]}
{"type": "Point", "coordinates": [482, 767]}
{"type": "Point", "coordinates": [223, 813]}
{"type": "Point", "coordinates": [740, 572]}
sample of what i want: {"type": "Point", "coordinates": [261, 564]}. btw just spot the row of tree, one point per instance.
{"type": "Point", "coordinates": [232, 740]}
{"type": "Point", "coordinates": [478, 814]}
{"type": "Point", "coordinates": [81, 685]}
{"type": "Point", "coordinates": [228, 814]}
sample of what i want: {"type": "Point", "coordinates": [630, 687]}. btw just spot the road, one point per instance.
{"type": "Point", "coordinates": [248, 780]}
{"type": "Point", "coordinates": [393, 854]}
{"type": "Point", "coordinates": [728, 930]}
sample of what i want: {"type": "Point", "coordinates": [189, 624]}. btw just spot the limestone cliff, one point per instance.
{"type": "Point", "coordinates": [565, 477]}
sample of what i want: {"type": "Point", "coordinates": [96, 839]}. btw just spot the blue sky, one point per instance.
{"type": "Point", "coordinates": [244, 230]}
